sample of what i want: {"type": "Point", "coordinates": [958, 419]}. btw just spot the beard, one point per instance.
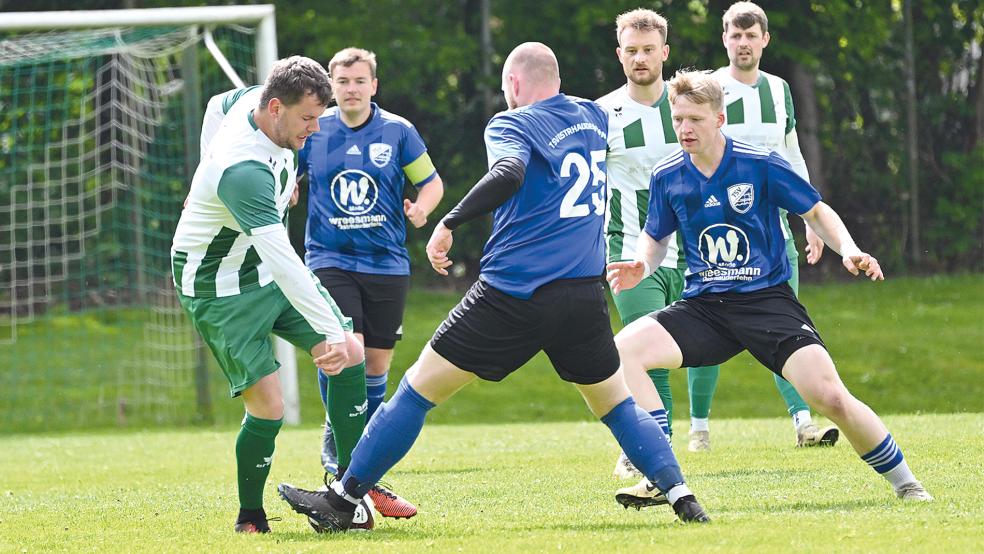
{"type": "Point", "coordinates": [752, 63]}
{"type": "Point", "coordinates": [649, 79]}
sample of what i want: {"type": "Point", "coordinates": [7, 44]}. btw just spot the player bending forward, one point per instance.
{"type": "Point", "coordinates": [236, 273]}
{"type": "Point", "coordinates": [737, 297]}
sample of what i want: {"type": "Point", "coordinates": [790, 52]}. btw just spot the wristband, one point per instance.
{"type": "Point", "coordinates": [646, 269]}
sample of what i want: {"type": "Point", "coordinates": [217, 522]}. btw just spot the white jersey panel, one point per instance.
{"type": "Point", "coordinates": [638, 137]}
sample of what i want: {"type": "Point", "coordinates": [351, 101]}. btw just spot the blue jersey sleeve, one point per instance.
{"type": "Point", "coordinates": [661, 219]}
{"type": "Point", "coordinates": [504, 139]}
{"type": "Point", "coordinates": [413, 146]}
{"type": "Point", "coordinates": [788, 190]}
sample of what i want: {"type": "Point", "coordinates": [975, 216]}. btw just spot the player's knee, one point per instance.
{"type": "Point", "coordinates": [266, 408]}
{"type": "Point", "coordinates": [834, 402]}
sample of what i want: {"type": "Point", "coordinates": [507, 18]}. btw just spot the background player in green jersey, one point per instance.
{"type": "Point", "coordinates": [759, 110]}
{"type": "Point", "coordinates": [640, 133]}
{"type": "Point", "coordinates": [235, 271]}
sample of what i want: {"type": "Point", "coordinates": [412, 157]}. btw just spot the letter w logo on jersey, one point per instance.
{"type": "Point", "coordinates": [723, 245]}
{"type": "Point", "coordinates": [354, 192]}
{"type": "Point", "coordinates": [741, 197]}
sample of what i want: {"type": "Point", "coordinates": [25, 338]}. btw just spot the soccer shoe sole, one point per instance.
{"type": "Point", "coordinates": [631, 501]}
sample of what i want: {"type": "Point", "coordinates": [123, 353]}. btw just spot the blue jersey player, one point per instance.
{"type": "Point", "coordinates": [539, 289]}
{"type": "Point", "coordinates": [357, 167]}
{"type": "Point", "coordinates": [723, 196]}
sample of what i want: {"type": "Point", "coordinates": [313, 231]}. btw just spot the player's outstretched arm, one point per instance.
{"type": "Point", "coordinates": [502, 181]}
{"type": "Point", "coordinates": [626, 275]}
{"type": "Point", "coordinates": [829, 226]}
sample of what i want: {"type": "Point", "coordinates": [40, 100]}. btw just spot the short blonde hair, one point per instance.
{"type": "Point", "coordinates": [351, 56]}
{"type": "Point", "coordinates": [744, 15]}
{"type": "Point", "coordinates": [641, 19]}
{"type": "Point", "coordinates": [699, 87]}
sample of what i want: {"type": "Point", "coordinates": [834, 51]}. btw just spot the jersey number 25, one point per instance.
{"type": "Point", "coordinates": [569, 206]}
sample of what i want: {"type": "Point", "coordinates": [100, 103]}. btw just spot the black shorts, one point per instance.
{"type": "Point", "coordinates": [492, 334]}
{"type": "Point", "coordinates": [713, 328]}
{"type": "Point", "coordinates": [374, 302]}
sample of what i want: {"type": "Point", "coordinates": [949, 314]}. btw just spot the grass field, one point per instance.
{"type": "Point", "coordinates": [512, 488]}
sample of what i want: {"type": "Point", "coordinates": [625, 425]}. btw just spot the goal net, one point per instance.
{"type": "Point", "coordinates": [99, 132]}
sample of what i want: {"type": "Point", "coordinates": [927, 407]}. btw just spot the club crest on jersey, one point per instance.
{"type": "Point", "coordinates": [741, 197]}
{"type": "Point", "coordinates": [354, 192]}
{"type": "Point", "coordinates": [380, 154]}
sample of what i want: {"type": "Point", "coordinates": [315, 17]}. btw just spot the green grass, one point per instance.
{"type": "Point", "coordinates": [908, 345]}
{"type": "Point", "coordinates": [514, 488]}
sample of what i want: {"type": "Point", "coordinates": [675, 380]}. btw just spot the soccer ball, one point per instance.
{"type": "Point", "coordinates": [363, 520]}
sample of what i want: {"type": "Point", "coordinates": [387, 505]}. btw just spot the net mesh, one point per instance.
{"type": "Point", "coordinates": [98, 141]}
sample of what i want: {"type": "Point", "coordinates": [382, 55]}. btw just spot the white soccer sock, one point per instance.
{"type": "Point", "coordinates": [801, 418]}
{"type": "Point", "coordinates": [676, 493]}
{"type": "Point", "coordinates": [340, 491]}
{"type": "Point", "coordinates": [700, 424]}
{"type": "Point", "coordinates": [900, 475]}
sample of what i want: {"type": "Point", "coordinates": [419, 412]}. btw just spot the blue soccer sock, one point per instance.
{"type": "Point", "coordinates": [663, 419]}
{"type": "Point", "coordinates": [375, 392]}
{"type": "Point", "coordinates": [887, 459]}
{"type": "Point", "coordinates": [387, 439]}
{"type": "Point", "coordinates": [645, 444]}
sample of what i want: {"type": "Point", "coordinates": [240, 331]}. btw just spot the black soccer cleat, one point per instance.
{"type": "Point", "coordinates": [324, 517]}
{"type": "Point", "coordinates": [689, 511]}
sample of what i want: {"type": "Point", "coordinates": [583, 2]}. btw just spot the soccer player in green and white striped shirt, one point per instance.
{"type": "Point", "coordinates": [759, 110]}
{"type": "Point", "coordinates": [640, 133]}
{"type": "Point", "coordinates": [235, 271]}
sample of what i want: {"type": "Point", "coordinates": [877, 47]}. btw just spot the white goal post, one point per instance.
{"type": "Point", "coordinates": [262, 16]}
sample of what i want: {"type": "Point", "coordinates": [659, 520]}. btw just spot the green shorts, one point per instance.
{"type": "Point", "coordinates": [654, 293]}
{"type": "Point", "coordinates": [237, 329]}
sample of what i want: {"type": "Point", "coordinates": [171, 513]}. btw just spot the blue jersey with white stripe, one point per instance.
{"type": "Point", "coordinates": [729, 222]}
{"type": "Point", "coordinates": [552, 227]}
{"type": "Point", "coordinates": [355, 195]}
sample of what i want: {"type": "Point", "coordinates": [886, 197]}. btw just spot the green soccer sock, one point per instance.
{"type": "Point", "coordinates": [793, 400]}
{"type": "Point", "coordinates": [347, 410]}
{"type": "Point", "coordinates": [701, 382]}
{"type": "Point", "coordinates": [661, 378]}
{"type": "Point", "coordinates": [254, 454]}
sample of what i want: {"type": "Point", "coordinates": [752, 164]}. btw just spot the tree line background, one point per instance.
{"type": "Point", "coordinates": [889, 97]}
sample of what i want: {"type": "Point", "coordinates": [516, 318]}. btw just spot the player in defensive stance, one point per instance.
{"type": "Point", "coordinates": [759, 110]}
{"type": "Point", "coordinates": [539, 289]}
{"type": "Point", "coordinates": [737, 296]}
{"type": "Point", "coordinates": [235, 271]}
